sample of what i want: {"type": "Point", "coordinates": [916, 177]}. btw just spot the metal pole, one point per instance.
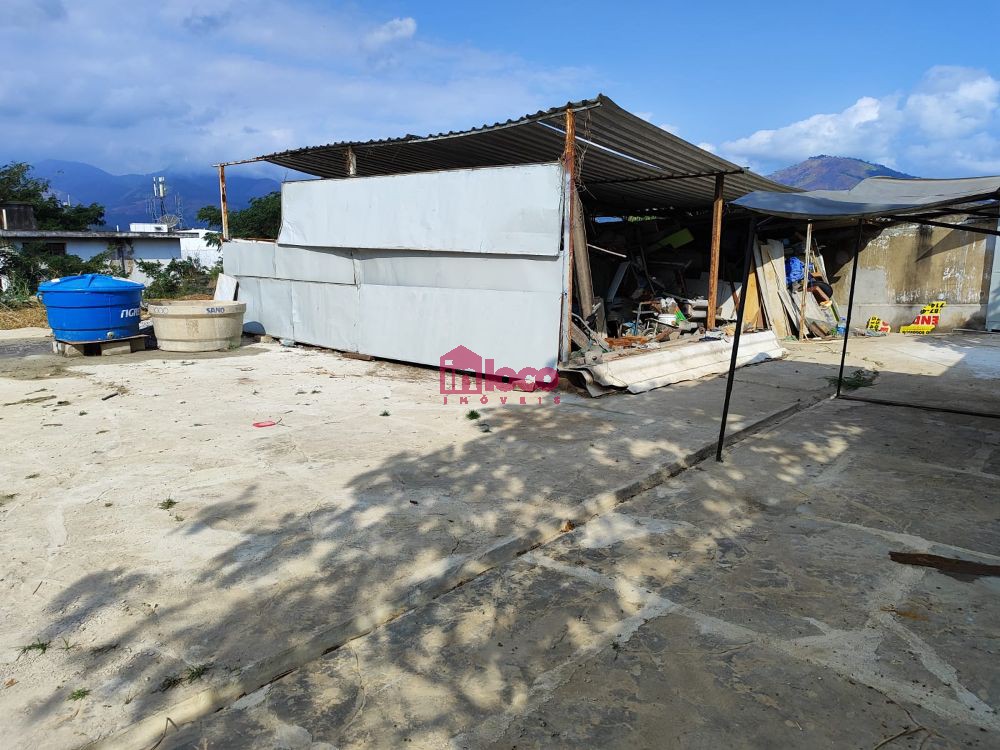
{"type": "Point", "coordinates": [805, 284]}
{"type": "Point", "coordinates": [751, 231]}
{"type": "Point", "coordinates": [850, 305]}
{"type": "Point", "coordinates": [223, 206]}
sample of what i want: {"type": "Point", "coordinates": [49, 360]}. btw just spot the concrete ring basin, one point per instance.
{"type": "Point", "coordinates": [197, 325]}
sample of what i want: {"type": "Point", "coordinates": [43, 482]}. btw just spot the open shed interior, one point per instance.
{"type": "Point", "coordinates": [646, 217]}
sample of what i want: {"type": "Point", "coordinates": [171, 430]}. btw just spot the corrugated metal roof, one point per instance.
{"type": "Point", "coordinates": [625, 162]}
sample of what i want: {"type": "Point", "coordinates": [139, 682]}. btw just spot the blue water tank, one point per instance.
{"type": "Point", "coordinates": [91, 307]}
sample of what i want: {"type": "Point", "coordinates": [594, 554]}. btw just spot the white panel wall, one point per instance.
{"type": "Point", "coordinates": [499, 293]}
{"type": "Point", "coordinates": [514, 210]}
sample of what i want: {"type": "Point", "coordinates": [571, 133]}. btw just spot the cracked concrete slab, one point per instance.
{"type": "Point", "coordinates": [157, 531]}
{"type": "Point", "coordinates": [339, 522]}
{"type": "Point", "coordinates": [717, 610]}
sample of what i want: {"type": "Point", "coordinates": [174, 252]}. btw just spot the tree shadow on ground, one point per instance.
{"type": "Point", "coordinates": [397, 536]}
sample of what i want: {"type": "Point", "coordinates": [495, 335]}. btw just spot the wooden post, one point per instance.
{"type": "Point", "coordinates": [713, 268]}
{"type": "Point", "coordinates": [351, 162]}
{"type": "Point", "coordinates": [222, 202]}
{"type": "Point", "coordinates": [569, 163]}
{"type": "Point", "coordinates": [805, 284]}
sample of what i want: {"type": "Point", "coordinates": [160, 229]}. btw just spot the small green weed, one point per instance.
{"type": "Point", "coordinates": [169, 683]}
{"type": "Point", "coordinates": [167, 504]}
{"type": "Point", "coordinates": [67, 645]}
{"type": "Point", "coordinates": [39, 646]}
{"type": "Point", "coordinates": [79, 694]}
{"type": "Point", "coordinates": [857, 379]}
{"type": "Point", "coordinates": [384, 414]}
{"type": "Point", "coordinates": [196, 672]}
{"type": "Point", "coordinates": [472, 414]}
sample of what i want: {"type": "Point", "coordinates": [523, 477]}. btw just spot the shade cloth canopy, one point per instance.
{"type": "Point", "coordinates": [876, 196]}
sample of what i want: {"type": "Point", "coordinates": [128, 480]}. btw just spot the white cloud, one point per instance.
{"type": "Point", "coordinates": [391, 31]}
{"type": "Point", "coordinates": [138, 87]}
{"type": "Point", "coordinates": [943, 127]}
{"type": "Point", "coordinates": [952, 102]}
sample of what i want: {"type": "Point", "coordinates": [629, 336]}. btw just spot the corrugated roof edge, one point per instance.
{"type": "Point", "coordinates": [601, 100]}
{"type": "Point", "coordinates": [541, 114]}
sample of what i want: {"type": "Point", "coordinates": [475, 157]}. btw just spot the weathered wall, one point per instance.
{"type": "Point", "coordinates": [160, 250]}
{"type": "Point", "coordinates": [903, 267]}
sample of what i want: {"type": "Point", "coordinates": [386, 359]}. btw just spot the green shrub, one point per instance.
{"type": "Point", "coordinates": [178, 278]}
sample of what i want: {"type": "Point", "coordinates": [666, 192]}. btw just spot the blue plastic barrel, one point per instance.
{"type": "Point", "coordinates": [91, 307]}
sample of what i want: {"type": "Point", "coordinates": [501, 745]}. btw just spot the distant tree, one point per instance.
{"type": "Point", "coordinates": [211, 216]}
{"type": "Point", "coordinates": [260, 220]}
{"type": "Point", "coordinates": [18, 184]}
{"type": "Point", "coordinates": [25, 264]}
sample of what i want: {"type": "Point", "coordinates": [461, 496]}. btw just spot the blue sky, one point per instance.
{"type": "Point", "coordinates": [139, 86]}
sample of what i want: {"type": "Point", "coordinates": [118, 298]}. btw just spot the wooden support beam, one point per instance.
{"type": "Point", "coordinates": [583, 283]}
{"type": "Point", "coordinates": [713, 269]}
{"type": "Point", "coordinates": [569, 164]}
{"type": "Point", "coordinates": [223, 204]}
{"type": "Point", "coordinates": [805, 284]}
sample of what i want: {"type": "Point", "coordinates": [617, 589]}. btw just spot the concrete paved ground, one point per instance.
{"type": "Point", "coordinates": [289, 539]}
{"type": "Point", "coordinates": [149, 533]}
{"type": "Point", "coordinates": [747, 604]}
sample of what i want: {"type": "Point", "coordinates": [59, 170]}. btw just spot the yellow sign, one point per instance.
{"type": "Point", "coordinates": [927, 319]}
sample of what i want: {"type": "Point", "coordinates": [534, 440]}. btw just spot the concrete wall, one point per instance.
{"type": "Point", "coordinates": [903, 267]}
{"type": "Point", "coordinates": [160, 250]}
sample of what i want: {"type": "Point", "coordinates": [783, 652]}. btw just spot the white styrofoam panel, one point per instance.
{"type": "Point", "coordinates": [508, 210]}
{"type": "Point", "coordinates": [460, 270]}
{"type": "Point", "coordinates": [326, 314]}
{"type": "Point", "coordinates": [269, 306]}
{"type": "Point", "coordinates": [334, 266]}
{"type": "Point", "coordinates": [420, 324]}
{"type": "Point", "coordinates": [248, 258]}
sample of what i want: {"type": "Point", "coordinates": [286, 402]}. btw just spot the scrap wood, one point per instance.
{"type": "Point", "coordinates": [945, 564]}
{"type": "Point", "coordinates": [619, 341]}
{"type": "Point", "coordinates": [357, 355]}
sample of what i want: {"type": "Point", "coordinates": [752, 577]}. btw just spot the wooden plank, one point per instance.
{"type": "Point", "coordinates": [751, 313]}
{"type": "Point", "coordinates": [776, 316]}
{"type": "Point", "coordinates": [583, 283]}
{"type": "Point", "coordinates": [805, 283]}
{"type": "Point", "coordinates": [946, 564]}
{"type": "Point", "coordinates": [774, 253]}
{"type": "Point", "coordinates": [713, 267]}
{"type": "Point", "coordinates": [569, 164]}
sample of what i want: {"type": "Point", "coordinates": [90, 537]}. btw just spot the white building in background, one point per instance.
{"type": "Point", "coordinates": [142, 242]}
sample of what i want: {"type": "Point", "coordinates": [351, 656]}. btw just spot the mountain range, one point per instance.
{"type": "Point", "coordinates": [832, 173]}
{"type": "Point", "coordinates": [126, 198]}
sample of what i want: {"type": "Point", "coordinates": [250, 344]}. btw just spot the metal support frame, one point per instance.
{"type": "Point", "coordinates": [751, 233]}
{"type": "Point", "coordinates": [662, 178]}
{"type": "Point", "coordinates": [847, 330]}
{"type": "Point", "coordinates": [945, 225]}
{"type": "Point", "coordinates": [850, 305]}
